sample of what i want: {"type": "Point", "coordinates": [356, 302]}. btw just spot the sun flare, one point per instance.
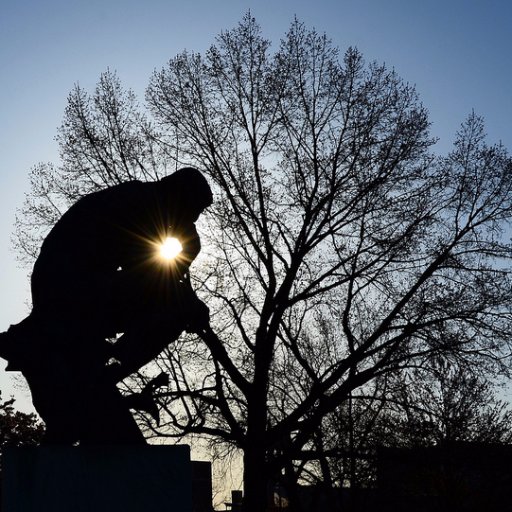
{"type": "Point", "coordinates": [170, 248]}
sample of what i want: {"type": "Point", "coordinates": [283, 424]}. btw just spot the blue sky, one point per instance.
{"type": "Point", "coordinates": [456, 52]}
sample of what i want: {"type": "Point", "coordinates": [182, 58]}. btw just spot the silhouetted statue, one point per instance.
{"type": "Point", "coordinates": [98, 275]}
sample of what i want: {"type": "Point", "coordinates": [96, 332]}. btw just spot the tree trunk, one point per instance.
{"type": "Point", "coordinates": [255, 451]}
{"type": "Point", "coordinates": [255, 478]}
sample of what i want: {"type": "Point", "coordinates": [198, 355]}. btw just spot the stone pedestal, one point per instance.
{"type": "Point", "coordinates": [96, 479]}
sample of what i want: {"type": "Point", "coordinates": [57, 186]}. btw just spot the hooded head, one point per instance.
{"type": "Point", "coordinates": [187, 193]}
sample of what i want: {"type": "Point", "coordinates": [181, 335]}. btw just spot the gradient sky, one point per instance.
{"type": "Point", "coordinates": [456, 52]}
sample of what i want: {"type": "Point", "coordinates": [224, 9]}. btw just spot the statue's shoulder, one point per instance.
{"type": "Point", "coordinates": [122, 193]}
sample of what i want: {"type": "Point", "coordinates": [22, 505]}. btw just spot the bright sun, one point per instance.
{"type": "Point", "coordinates": [170, 248]}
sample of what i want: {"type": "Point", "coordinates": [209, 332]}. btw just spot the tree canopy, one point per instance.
{"type": "Point", "coordinates": [18, 428]}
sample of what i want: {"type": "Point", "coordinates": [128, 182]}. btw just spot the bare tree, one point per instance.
{"type": "Point", "coordinates": [439, 403]}
{"type": "Point", "coordinates": [446, 403]}
{"type": "Point", "coordinates": [104, 140]}
{"type": "Point", "coordinates": [338, 250]}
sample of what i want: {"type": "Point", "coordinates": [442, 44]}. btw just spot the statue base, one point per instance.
{"type": "Point", "coordinates": [96, 479]}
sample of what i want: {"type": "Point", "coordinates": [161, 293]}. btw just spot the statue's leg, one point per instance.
{"type": "Point", "coordinates": [55, 398]}
{"type": "Point", "coordinates": [73, 397]}
{"type": "Point", "coordinates": [107, 419]}
{"type": "Point", "coordinates": [150, 332]}
{"type": "Point", "coordinates": [104, 417]}
{"type": "Point", "coordinates": [142, 344]}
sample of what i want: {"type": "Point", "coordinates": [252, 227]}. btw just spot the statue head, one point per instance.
{"type": "Point", "coordinates": [188, 193]}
